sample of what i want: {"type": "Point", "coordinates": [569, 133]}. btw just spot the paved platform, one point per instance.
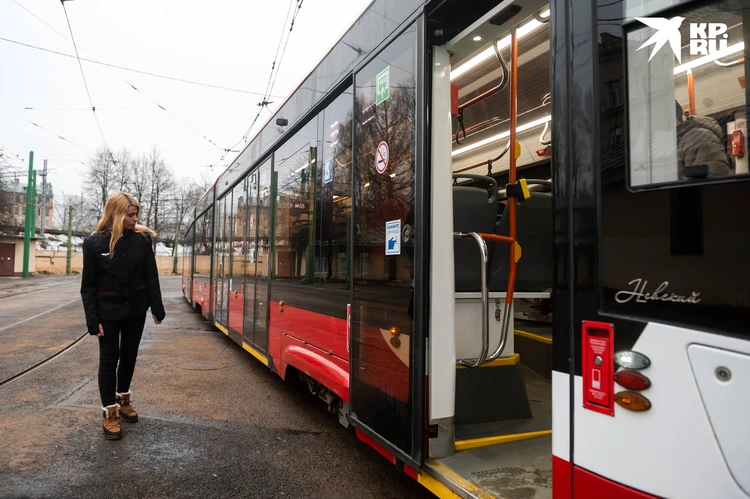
{"type": "Point", "coordinates": [214, 421]}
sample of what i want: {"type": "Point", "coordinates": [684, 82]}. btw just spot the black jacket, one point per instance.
{"type": "Point", "coordinates": [123, 286]}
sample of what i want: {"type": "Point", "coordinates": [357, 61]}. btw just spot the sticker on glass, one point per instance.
{"type": "Point", "coordinates": [393, 237]}
{"type": "Point", "coordinates": [328, 171]}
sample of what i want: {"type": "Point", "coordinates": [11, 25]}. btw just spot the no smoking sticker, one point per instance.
{"type": "Point", "coordinates": [381, 157]}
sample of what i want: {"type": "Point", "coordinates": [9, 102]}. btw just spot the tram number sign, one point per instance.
{"type": "Point", "coordinates": [381, 157]}
{"type": "Point", "coordinates": [383, 85]}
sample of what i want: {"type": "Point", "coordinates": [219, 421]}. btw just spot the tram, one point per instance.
{"type": "Point", "coordinates": [505, 242]}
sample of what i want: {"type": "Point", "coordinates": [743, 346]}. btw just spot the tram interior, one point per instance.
{"type": "Point", "coordinates": [503, 409]}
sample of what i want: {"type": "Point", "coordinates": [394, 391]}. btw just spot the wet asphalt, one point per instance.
{"type": "Point", "coordinates": [214, 421]}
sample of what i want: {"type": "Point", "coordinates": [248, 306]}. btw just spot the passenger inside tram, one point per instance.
{"type": "Point", "coordinates": [699, 142]}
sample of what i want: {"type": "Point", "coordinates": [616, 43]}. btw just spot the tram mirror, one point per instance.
{"type": "Point", "coordinates": [686, 98]}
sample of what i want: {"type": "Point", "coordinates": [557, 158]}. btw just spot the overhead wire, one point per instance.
{"type": "Point", "coordinates": [291, 27]}
{"type": "Point", "coordinates": [18, 156]}
{"type": "Point", "coordinates": [83, 75]}
{"type": "Point", "coordinates": [148, 73]}
{"type": "Point", "coordinates": [79, 59]}
{"type": "Point", "coordinates": [115, 66]}
{"type": "Point", "coordinates": [50, 132]}
{"type": "Point", "coordinates": [46, 130]}
{"type": "Point", "coordinates": [140, 92]}
{"type": "Point", "coordinates": [271, 76]}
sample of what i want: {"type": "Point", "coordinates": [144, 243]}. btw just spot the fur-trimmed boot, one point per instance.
{"type": "Point", "coordinates": [111, 422]}
{"type": "Point", "coordinates": [127, 413]}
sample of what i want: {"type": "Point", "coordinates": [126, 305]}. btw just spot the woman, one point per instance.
{"type": "Point", "coordinates": [120, 282]}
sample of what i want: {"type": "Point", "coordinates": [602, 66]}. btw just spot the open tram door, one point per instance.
{"type": "Point", "coordinates": [387, 353]}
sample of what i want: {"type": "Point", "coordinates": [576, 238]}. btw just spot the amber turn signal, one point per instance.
{"type": "Point", "coordinates": [632, 401]}
{"type": "Point", "coordinates": [393, 331]}
{"type": "Point", "coordinates": [632, 380]}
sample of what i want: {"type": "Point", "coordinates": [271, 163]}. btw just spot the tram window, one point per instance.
{"type": "Point", "coordinates": [687, 110]}
{"type": "Point", "coordinates": [294, 167]}
{"type": "Point", "coordinates": [333, 209]}
{"type": "Point", "coordinates": [203, 245]}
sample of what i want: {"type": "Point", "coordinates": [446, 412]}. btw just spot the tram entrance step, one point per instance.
{"type": "Point", "coordinates": [539, 391]}
{"type": "Point", "coordinates": [521, 468]}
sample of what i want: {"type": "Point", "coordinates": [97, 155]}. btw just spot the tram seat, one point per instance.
{"type": "Point", "coordinates": [534, 233]}
{"type": "Point", "coordinates": [473, 211]}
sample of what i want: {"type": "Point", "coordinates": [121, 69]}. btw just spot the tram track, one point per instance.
{"type": "Point", "coordinates": [44, 362]}
{"type": "Point", "coordinates": [14, 294]}
{"type": "Point", "coordinates": [38, 315]}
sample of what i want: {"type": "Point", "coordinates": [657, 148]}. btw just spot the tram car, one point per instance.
{"type": "Point", "coordinates": [450, 171]}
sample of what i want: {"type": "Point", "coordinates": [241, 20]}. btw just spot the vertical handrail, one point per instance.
{"type": "Point", "coordinates": [485, 302]}
{"type": "Point", "coordinates": [511, 202]}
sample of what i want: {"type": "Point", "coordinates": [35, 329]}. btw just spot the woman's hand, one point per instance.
{"type": "Point", "coordinates": [101, 330]}
{"type": "Point", "coordinates": [156, 321]}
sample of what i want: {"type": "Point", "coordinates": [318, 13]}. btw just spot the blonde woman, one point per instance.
{"type": "Point", "coordinates": [120, 282]}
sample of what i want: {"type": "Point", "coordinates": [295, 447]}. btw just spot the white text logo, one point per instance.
{"type": "Point", "coordinates": [640, 295]}
{"type": "Point", "coordinates": [705, 38]}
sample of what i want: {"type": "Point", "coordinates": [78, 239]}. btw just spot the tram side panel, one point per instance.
{"type": "Point", "coordinates": [661, 258]}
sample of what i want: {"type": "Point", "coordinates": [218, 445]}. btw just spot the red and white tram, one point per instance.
{"type": "Point", "coordinates": [504, 241]}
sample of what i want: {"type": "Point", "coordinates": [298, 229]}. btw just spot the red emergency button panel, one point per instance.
{"type": "Point", "coordinates": [597, 368]}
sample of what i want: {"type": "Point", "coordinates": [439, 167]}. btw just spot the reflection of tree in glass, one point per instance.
{"type": "Point", "coordinates": [294, 205]}
{"type": "Point", "coordinates": [386, 196]}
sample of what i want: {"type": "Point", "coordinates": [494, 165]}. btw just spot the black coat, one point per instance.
{"type": "Point", "coordinates": [123, 286]}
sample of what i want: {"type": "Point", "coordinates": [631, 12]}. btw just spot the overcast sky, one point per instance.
{"type": "Point", "coordinates": [228, 43]}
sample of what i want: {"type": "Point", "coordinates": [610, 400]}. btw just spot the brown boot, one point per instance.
{"type": "Point", "coordinates": [127, 413]}
{"type": "Point", "coordinates": [111, 422]}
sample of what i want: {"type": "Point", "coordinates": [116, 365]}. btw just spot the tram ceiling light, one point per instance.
{"type": "Point", "coordinates": [739, 47]}
{"type": "Point", "coordinates": [477, 38]}
{"type": "Point", "coordinates": [501, 136]}
{"type": "Point", "coordinates": [501, 44]}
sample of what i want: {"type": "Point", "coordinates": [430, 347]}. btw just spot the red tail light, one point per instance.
{"type": "Point", "coordinates": [632, 380]}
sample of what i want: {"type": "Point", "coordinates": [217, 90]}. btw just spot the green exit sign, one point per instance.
{"type": "Point", "coordinates": [383, 85]}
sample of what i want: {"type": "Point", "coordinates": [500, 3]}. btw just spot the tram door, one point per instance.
{"type": "Point", "coordinates": [256, 269]}
{"type": "Point", "coordinates": [384, 348]}
{"type": "Point", "coordinates": [221, 266]}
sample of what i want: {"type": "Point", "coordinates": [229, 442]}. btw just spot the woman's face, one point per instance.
{"type": "Point", "coordinates": [131, 218]}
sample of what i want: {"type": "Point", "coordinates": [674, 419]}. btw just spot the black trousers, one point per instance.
{"type": "Point", "coordinates": [118, 349]}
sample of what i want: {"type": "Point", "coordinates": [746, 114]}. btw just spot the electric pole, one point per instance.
{"type": "Point", "coordinates": [70, 239]}
{"type": "Point", "coordinates": [33, 207]}
{"type": "Point", "coordinates": [44, 195]}
{"type": "Point", "coordinates": [176, 238]}
{"type": "Point", "coordinates": [30, 212]}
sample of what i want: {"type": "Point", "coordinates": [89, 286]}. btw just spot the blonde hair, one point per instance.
{"type": "Point", "coordinates": [115, 212]}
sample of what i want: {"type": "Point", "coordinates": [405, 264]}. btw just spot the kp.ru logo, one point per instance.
{"type": "Point", "coordinates": [705, 38]}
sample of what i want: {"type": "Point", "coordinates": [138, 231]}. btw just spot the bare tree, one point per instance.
{"type": "Point", "coordinates": [121, 171]}
{"type": "Point", "coordinates": [139, 180]}
{"type": "Point", "coordinates": [162, 184]}
{"type": "Point", "coordinates": [101, 178]}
